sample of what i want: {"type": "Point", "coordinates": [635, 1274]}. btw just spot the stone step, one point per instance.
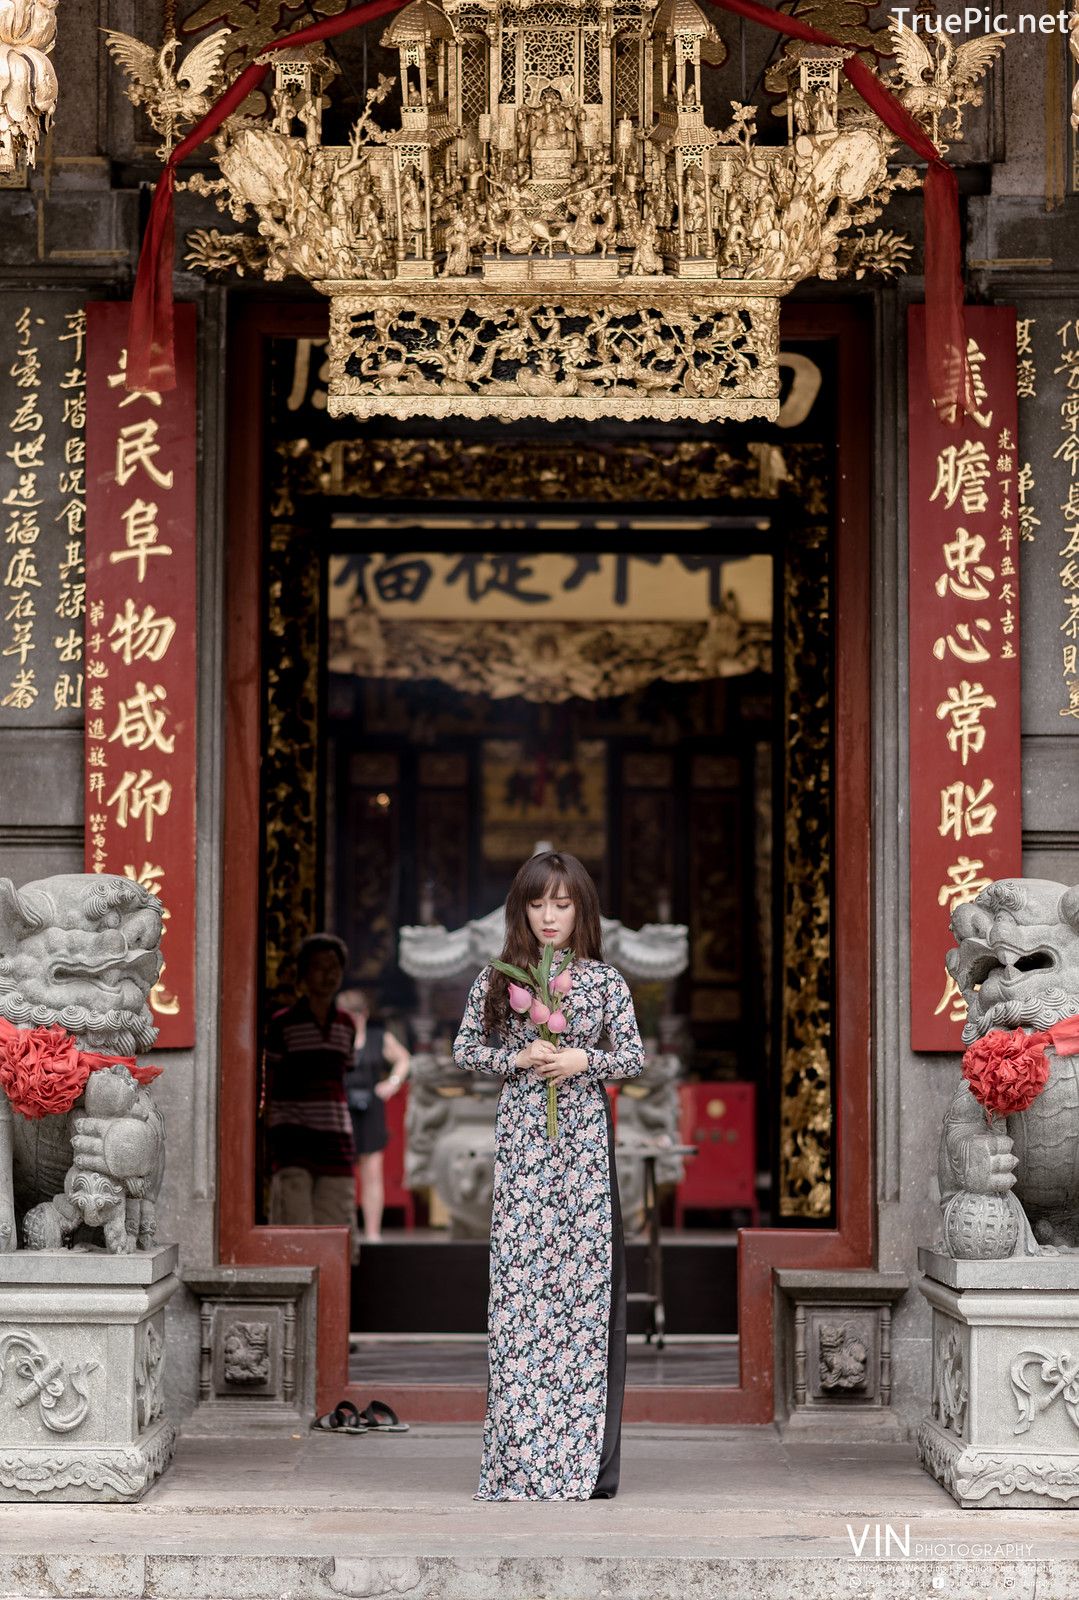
{"type": "Point", "coordinates": [254, 1575]}
{"type": "Point", "coordinates": [702, 1514]}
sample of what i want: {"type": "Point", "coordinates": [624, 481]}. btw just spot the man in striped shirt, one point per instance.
{"type": "Point", "coordinates": [309, 1048]}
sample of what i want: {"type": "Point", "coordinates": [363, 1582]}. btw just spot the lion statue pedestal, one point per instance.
{"type": "Point", "coordinates": [82, 1342]}
{"type": "Point", "coordinates": [83, 1280]}
{"type": "Point", "coordinates": [1003, 1425]}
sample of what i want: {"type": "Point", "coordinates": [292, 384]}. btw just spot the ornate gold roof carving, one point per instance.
{"type": "Point", "coordinates": [554, 229]}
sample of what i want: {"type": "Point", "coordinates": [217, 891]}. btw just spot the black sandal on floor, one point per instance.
{"type": "Point", "coordinates": [344, 1418]}
{"type": "Point", "coordinates": [381, 1418]}
{"type": "Point", "coordinates": [352, 1421]}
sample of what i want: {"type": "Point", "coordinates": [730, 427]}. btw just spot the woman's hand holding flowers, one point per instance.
{"type": "Point", "coordinates": [537, 1053]}
{"type": "Point", "coordinates": [544, 1008]}
{"type": "Point", "coordinates": [563, 1064]}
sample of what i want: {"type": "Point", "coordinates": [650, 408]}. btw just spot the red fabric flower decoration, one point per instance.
{"type": "Point", "coordinates": [1007, 1071]}
{"type": "Point", "coordinates": [41, 1070]}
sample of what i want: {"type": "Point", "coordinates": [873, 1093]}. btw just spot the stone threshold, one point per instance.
{"type": "Point", "coordinates": [319, 1577]}
{"type": "Point", "coordinates": [703, 1514]}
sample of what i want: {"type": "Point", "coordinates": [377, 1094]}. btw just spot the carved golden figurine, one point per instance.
{"type": "Point", "coordinates": [412, 210]}
{"type": "Point", "coordinates": [28, 86]}
{"type": "Point", "coordinates": [943, 80]}
{"type": "Point", "coordinates": [615, 253]}
{"type": "Point", "coordinates": [646, 258]}
{"type": "Point", "coordinates": [696, 225]}
{"type": "Point", "coordinates": [172, 96]}
{"type": "Point", "coordinates": [458, 246]}
{"type": "Point", "coordinates": [552, 137]}
{"type": "Point", "coordinates": [372, 247]}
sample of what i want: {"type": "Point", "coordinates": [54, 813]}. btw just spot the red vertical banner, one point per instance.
{"type": "Point", "coordinates": [965, 779]}
{"type": "Point", "coordinates": [140, 642]}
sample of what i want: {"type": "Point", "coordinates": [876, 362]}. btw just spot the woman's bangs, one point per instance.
{"type": "Point", "coordinates": [539, 878]}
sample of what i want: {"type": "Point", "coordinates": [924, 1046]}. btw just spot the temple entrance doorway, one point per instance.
{"type": "Point", "coordinates": [618, 705]}
{"type": "Point", "coordinates": [481, 639]}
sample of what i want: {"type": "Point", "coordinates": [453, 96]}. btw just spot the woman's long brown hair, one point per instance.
{"type": "Point", "coordinates": [552, 869]}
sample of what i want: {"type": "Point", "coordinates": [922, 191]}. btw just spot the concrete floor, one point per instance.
{"type": "Point", "coordinates": [702, 1512]}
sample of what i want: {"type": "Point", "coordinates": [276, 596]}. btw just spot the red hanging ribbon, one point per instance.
{"type": "Point", "coordinates": [150, 362]}
{"type": "Point", "coordinates": [1063, 1036]}
{"type": "Point", "coordinates": [43, 1071]}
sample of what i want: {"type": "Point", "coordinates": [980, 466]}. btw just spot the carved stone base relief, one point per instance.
{"type": "Point", "coordinates": [843, 1352]}
{"type": "Point", "coordinates": [88, 1474]}
{"type": "Point", "coordinates": [837, 1356]}
{"type": "Point", "coordinates": [256, 1344]}
{"type": "Point", "coordinates": [836, 1345]}
{"type": "Point", "coordinates": [82, 1369]}
{"type": "Point", "coordinates": [950, 1391]}
{"type": "Point", "coordinates": [31, 1375]}
{"type": "Point", "coordinates": [1003, 1423]}
{"type": "Point", "coordinates": [246, 1359]}
{"type": "Point", "coordinates": [982, 1479]}
{"type": "Point", "coordinates": [150, 1370]}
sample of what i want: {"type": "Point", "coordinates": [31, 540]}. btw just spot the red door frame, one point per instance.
{"type": "Point", "coordinates": [851, 1243]}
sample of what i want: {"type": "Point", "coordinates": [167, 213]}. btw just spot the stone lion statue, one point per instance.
{"type": "Point", "coordinates": [80, 953]}
{"type": "Point", "coordinates": [1017, 965]}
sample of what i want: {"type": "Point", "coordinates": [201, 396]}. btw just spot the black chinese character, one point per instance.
{"type": "Point", "coordinates": [713, 565]}
{"type": "Point", "coordinates": [395, 578]}
{"type": "Point", "coordinates": [621, 574]}
{"type": "Point", "coordinates": [584, 567]}
{"type": "Point", "coordinates": [496, 574]}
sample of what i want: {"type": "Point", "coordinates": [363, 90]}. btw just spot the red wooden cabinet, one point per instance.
{"type": "Point", "coordinates": [720, 1119]}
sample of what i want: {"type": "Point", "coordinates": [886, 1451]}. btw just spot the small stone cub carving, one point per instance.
{"type": "Point", "coordinates": [115, 1177]}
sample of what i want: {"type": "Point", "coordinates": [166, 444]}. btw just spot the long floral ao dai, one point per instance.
{"type": "Point", "coordinates": [554, 1398]}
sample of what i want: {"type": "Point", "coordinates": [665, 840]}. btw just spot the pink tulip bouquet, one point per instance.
{"type": "Point", "coordinates": [544, 1006]}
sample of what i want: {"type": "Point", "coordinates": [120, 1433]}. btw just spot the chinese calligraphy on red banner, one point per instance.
{"type": "Point", "coordinates": [965, 794]}
{"type": "Point", "coordinates": [140, 642]}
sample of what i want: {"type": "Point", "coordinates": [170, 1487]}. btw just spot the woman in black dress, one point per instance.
{"type": "Point", "coordinates": [368, 1089]}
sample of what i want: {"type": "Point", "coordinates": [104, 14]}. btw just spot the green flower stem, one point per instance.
{"type": "Point", "coordinates": [552, 1090]}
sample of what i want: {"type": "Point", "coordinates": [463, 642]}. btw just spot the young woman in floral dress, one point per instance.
{"type": "Point", "coordinates": [557, 1309]}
